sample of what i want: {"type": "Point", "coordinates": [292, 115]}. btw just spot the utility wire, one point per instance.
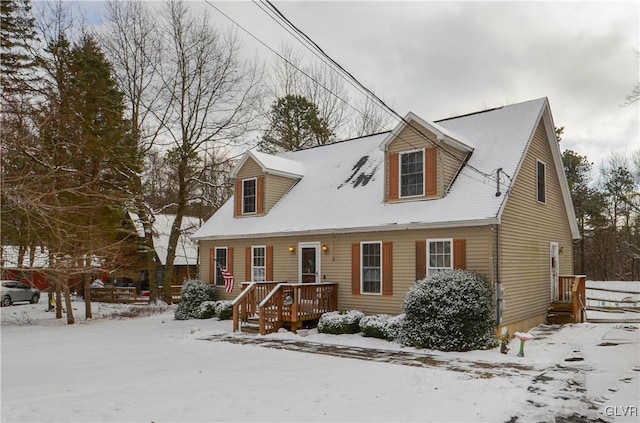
{"type": "Point", "coordinates": [417, 130]}
{"type": "Point", "coordinates": [314, 48]}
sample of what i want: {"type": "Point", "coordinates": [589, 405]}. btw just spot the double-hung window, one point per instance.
{"type": "Point", "coordinates": [541, 171]}
{"type": "Point", "coordinates": [439, 255]}
{"type": "Point", "coordinates": [220, 263]}
{"type": "Point", "coordinates": [258, 264]}
{"type": "Point", "coordinates": [412, 174]}
{"type": "Point", "coordinates": [371, 259]}
{"type": "Point", "coordinates": [249, 195]}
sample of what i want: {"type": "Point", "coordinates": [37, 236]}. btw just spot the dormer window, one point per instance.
{"type": "Point", "coordinates": [412, 174]}
{"type": "Point", "coordinates": [249, 196]}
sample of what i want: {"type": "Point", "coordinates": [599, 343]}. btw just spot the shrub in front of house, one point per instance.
{"type": "Point", "coordinates": [224, 310]}
{"type": "Point", "coordinates": [449, 311]}
{"type": "Point", "coordinates": [192, 295]}
{"type": "Point", "coordinates": [340, 322]}
{"type": "Point", "coordinates": [207, 310]}
{"type": "Point", "coordinates": [376, 326]}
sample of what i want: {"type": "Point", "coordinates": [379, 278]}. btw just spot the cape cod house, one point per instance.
{"type": "Point", "coordinates": [369, 216]}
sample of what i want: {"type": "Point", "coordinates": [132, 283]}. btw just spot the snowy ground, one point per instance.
{"type": "Point", "coordinates": [155, 368]}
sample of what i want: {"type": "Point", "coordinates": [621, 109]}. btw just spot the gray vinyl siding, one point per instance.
{"type": "Point", "coordinates": [336, 263]}
{"type": "Point", "coordinates": [528, 228]}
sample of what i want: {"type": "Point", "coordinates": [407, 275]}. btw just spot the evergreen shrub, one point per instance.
{"type": "Point", "coordinates": [192, 295]}
{"type": "Point", "coordinates": [449, 311]}
{"type": "Point", "coordinates": [224, 310]}
{"type": "Point", "coordinates": [340, 322]}
{"type": "Point", "coordinates": [376, 326]}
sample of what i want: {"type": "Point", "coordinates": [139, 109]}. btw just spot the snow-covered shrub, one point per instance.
{"type": "Point", "coordinates": [224, 310]}
{"type": "Point", "coordinates": [375, 326]}
{"type": "Point", "coordinates": [192, 295]}
{"type": "Point", "coordinates": [340, 322]}
{"type": "Point", "coordinates": [207, 310]}
{"type": "Point", "coordinates": [393, 326]}
{"type": "Point", "coordinates": [449, 311]}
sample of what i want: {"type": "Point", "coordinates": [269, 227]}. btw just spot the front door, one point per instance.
{"type": "Point", "coordinates": [309, 262]}
{"type": "Point", "coordinates": [554, 269]}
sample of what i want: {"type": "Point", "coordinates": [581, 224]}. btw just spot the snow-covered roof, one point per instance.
{"type": "Point", "coordinates": [275, 165]}
{"type": "Point", "coordinates": [11, 257]}
{"type": "Point", "coordinates": [442, 133]}
{"type": "Point", "coordinates": [343, 185]}
{"type": "Point", "coordinates": [186, 250]}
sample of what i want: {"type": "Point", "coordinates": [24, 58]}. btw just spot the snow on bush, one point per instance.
{"type": "Point", "coordinates": [192, 295]}
{"type": "Point", "coordinates": [376, 326]}
{"type": "Point", "coordinates": [207, 310]}
{"type": "Point", "coordinates": [449, 311]}
{"type": "Point", "coordinates": [224, 310]}
{"type": "Point", "coordinates": [340, 322]}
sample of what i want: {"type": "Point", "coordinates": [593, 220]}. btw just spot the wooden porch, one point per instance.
{"type": "Point", "coordinates": [265, 307]}
{"type": "Point", "coordinates": [571, 304]}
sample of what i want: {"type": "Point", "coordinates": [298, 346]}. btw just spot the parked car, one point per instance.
{"type": "Point", "coordinates": [14, 291]}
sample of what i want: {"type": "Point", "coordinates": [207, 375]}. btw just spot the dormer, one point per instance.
{"type": "Point", "coordinates": [261, 180]}
{"type": "Point", "coordinates": [422, 159]}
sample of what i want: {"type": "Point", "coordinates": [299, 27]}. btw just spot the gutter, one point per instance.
{"type": "Point", "coordinates": [382, 228]}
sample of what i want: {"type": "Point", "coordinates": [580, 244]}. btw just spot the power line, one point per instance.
{"type": "Point", "coordinates": [275, 14]}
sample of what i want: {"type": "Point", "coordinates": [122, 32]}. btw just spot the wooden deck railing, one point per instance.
{"type": "Point", "coordinates": [246, 304]}
{"type": "Point", "coordinates": [573, 289]}
{"type": "Point", "coordinates": [294, 303]}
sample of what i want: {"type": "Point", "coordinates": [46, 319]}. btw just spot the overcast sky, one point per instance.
{"type": "Point", "coordinates": [441, 59]}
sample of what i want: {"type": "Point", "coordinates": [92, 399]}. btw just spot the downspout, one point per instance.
{"type": "Point", "coordinates": [498, 276]}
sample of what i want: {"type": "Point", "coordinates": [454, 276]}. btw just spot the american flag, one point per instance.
{"type": "Point", "coordinates": [228, 279]}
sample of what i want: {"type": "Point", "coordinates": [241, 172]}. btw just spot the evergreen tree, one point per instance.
{"type": "Point", "coordinates": [294, 124]}
{"type": "Point", "coordinates": [17, 35]}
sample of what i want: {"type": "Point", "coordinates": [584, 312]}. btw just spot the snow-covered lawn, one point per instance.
{"type": "Point", "coordinates": [155, 368]}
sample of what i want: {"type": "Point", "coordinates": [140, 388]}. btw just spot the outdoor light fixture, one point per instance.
{"type": "Point", "coordinates": [325, 248]}
{"type": "Point", "coordinates": [292, 249]}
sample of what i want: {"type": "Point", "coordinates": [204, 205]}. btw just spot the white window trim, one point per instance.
{"type": "Point", "coordinates": [429, 241]}
{"type": "Point", "coordinates": [256, 196]}
{"type": "Point", "coordinates": [315, 245]}
{"type": "Point", "coordinates": [253, 247]}
{"type": "Point", "coordinates": [545, 183]}
{"type": "Point", "coordinates": [215, 256]}
{"type": "Point", "coordinates": [362, 267]}
{"type": "Point", "coordinates": [424, 173]}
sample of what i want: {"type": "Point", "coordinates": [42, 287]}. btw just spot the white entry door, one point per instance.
{"type": "Point", "coordinates": [309, 262]}
{"type": "Point", "coordinates": [554, 269]}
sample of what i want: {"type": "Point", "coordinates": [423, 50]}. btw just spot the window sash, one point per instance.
{"type": "Point", "coordinates": [439, 255]}
{"type": "Point", "coordinates": [249, 195]}
{"type": "Point", "coordinates": [541, 173]}
{"type": "Point", "coordinates": [221, 261]}
{"type": "Point", "coordinates": [371, 267]}
{"type": "Point", "coordinates": [412, 174]}
{"type": "Point", "coordinates": [258, 264]}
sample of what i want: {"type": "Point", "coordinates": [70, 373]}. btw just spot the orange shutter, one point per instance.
{"type": "Point", "coordinates": [421, 260]}
{"type": "Point", "coordinates": [460, 254]}
{"type": "Point", "coordinates": [238, 198]}
{"type": "Point", "coordinates": [230, 260]}
{"type": "Point", "coordinates": [430, 171]}
{"type": "Point", "coordinates": [355, 269]}
{"type": "Point", "coordinates": [394, 175]}
{"type": "Point", "coordinates": [212, 265]}
{"type": "Point", "coordinates": [387, 268]}
{"type": "Point", "coordinates": [247, 265]}
{"type": "Point", "coordinates": [269, 263]}
{"type": "Point", "coordinates": [260, 196]}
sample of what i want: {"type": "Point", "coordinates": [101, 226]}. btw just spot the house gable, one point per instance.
{"type": "Point", "coordinates": [263, 180]}
{"type": "Point", "coordinates": [441, 158]}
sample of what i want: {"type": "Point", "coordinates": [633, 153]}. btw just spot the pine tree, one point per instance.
{"type": "Point", "coordinates": [18, 34]}
{"type": "Point", "coordinates": [295, 124]}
